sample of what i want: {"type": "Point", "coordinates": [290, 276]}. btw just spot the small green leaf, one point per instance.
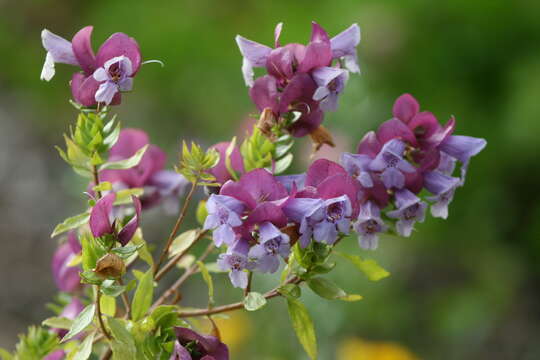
{"type": "Point", "coordinates": [325, 288]}
{"type": "Point", "coordinates": [85, 349]}
{"type": "Point", "coordinates": [123, 197]}
{"type": "Point", "coordinates": [71, 223]}
{"type": "Point", "coordinates": [303, 326]}
{"type": "Point", "coordinates": [228, 162]}
{"type": "Point", "coordinates": [127, 163]}
{"type": "Point", "coordinates": [165, 315]}
{"type": "Point", "coordinates": [126, 251]}
{"type": "Point", "coordinates": [290, 290]}
{"type": "Point", "coordinates": [90, 277]}
{"type": "Point", "coordinates": [103, 186]}
{"type": "Point", "coordinates": [351, 297]}
{"type": "Point", "coordinates": [254, 301]}
{"type": "Point", "coordinates": [183, 242]}
{"type": "Point", "coordinates": [208, 280]}
{"type": "Point", "coordinates": [283, 164]}
{"type": "Point", "coordinates": [109, 288]}
{"type": "Point", "coordinates": [81, 322]}
{"type": "Point", "coordinates": [369, 267]}
{"type": "Point", "coordinates": [201, 213]}
{"type": "Point", "coordinates": [5, 355]}
{"type": "Point", "coordinates": [143, 296]}
{"type": "Point", "coordinates": [123, 346]}
{"type": "Point", "coordinates": [59, 322]}
{"type": "Point", "coordinates": [143, 251]}
{"type": "Point", "coordinates": [108, 305]}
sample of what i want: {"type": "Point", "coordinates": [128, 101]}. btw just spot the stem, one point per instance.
{"type": "Point", "coordinates": [98, 308]}
{"type": "Point", "coordinates": [190, 271]}
{"type": "Point", "coordinates": [125, 299]}
{"type": "Point", "coordinates": [176, 226]}
{"type": "Point", "coordinates": [95, 173]}
{"type": "Point", "coordinates": [247, 290]}
{"type": "Point", "coordinates": [107, 355]}
{"type": "Point", "coordinates": [178, 257]}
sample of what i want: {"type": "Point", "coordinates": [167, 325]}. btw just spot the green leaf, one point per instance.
{"type": "Point", "coordinates": [126, 251]}
{"type": "Point", "coordinates": [283, 164]}
{"type": "Point", "coordinates": [126, 163]}
{"type": "Point", "coordinates": [59, 322]}
{"type": "Point", "coordinates": [201, 213]}
{"type": "Point", "coordinates": [369, 267]}
{"type": "Point", "coordinates": [208, 280]}
{"type": "Point", "coordinates": [303, 326]}
{"type": "Point", "coordinates": [103, 186]}
{"type": "Point", "coordinates": [71, 223]}
{"type": "Point", "coordinates": [123, 197]}
{"type": "Point", "coordinates": [81, 322]}
{"type": "Point", "coordinates": [123, 346]}
{"type": "Point", "coordinates": [108, 305]}
{"type": "Point", "coordinates": [143, 296]}
{"type": "Point", "coordinates": [143, 251]}
{"type": "Point", "coordinates": [109, 288]}
{"type": "Point", "coordinates": [85, 349]}
{"type": "Point", "coordinates": [90, 277]}
{"type": "Point", "coordinates": [165, 315]}
{"type": "Point", "coordinates": [290, 290]}
{"type": "Point", "coordinates": [183, 242]}
{"type": "Point", "coordinates": [326, 288]}
{"type": "Point", "coordinates": [254, 301]}
{"type": "Point", "coordinates": [351, 297]}
{"type": "Point", "coordinates": [228, 163]}
{"type": "Point", "coordinates": [5, 355]}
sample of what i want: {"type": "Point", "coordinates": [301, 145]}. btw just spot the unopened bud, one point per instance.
{"type": "Point", "coordinates": [110, 266]}
{"type": "Point", "coordinates": [321, 136]}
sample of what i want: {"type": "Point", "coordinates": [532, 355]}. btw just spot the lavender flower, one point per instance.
{"type": "Point", "coordinates": [331, 82]}
{"type": "Point", "coordinates": [357, 165]}
{"type": "Point", "coordinates": [224, 214]}
{"type": "Point", "coordinates": [392, 165]}
{"type": "Point", "coordinates": [236, 262]}
{"type": "Point", "coordinates": [191, 345]}
{"type": "Point", "coordinates": [368, 225]}
{"type": "Point", "coordinates": [115, 75]}
{"type": "Point", "coordinates": [344, 47]}
{"type": "Point", "coordinates": [463, 148]}
{"type": "Point", "coordinates": [443, 187]}
{"type": "Point", "coordinates": [410, 209]}
{"type": "Point", "coordinates": [102, 213]}
{"type": "Point", "coordinates": [272, 244]}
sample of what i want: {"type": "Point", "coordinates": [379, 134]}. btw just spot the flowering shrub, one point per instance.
{"type": "Point", "coordinates": [254, 218]}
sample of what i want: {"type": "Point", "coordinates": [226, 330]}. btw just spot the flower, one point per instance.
{"type": "Point", "coordinates": [192, 346]}
{"type": "Point", "coordinates": [463, 148]}
{"type": "Point", "coordinates": [344, 45]}
{"type": "Point", "coordinates": [115, 75]}
{"type": "Point", "coordinates": [70, 311]}
{"type": "Point", "coordinates": [66, 276]}
{"type": "Point", "coordinates": [368, 225]}
{"type": "Point", "coordinates": [220, 171]}
{"type": "Point", "coordinates": [272, 243]}
{"type": "Point", "coordinates": [410, 209]}
{"type": "Point", "coordinates": [101, 223]}
{"type": "Point", "coordinates": [224, 214]}
{"type": "Point", "coordinates": [331, 82]}
{"type": "Point", "coordinates": [104, 74]}
{"type": "Point", "coordinates": [236, 261]}
{"type": "Point", "coordinates": [443, 187]}
{"type": "Point", "coordinates": [160, 186]}
{"type": "Point", "coordinates": [391, 164]}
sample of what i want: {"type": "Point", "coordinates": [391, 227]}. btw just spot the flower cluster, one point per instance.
{"type": "Point", "coordinates": [373, 191]}
{"type": "Point", "coordinates": [104, 75]}
{"type": "Point", "coordinates": [301, 79]}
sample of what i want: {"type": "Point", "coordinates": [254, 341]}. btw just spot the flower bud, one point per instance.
{"type": "Point", "coordinates": [110, 266]}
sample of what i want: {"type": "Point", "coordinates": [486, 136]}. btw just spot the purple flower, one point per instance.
{"type": "Point", "coordinates": [65, 276]}
{"type": "Point", "coordinates": [331, 82]}
{"type": "Point", "coordinates": [368, 225]}
{"type": "Point", "coordinates": [443, 187]}
{"type": "Point", "coordinates": [159, 185]}
{"type": "Point", "coordinates": [220, 171]}
{"type": "Point", "coordinates": [410, 209]}
{"type": "Point", "coordinates": [392, 165]}
{"type": "Point", "coordinates": [262, 195]}
{"type": "Point", "coordinates": [272, 244]}
{"type": "Point", "coordinates": [357, 165]}
{"type": "Point", "coordinates": [224, 214]}
{"type": "Point", "coordinates": [70, 311]}
{"type": "Point", "coordinates": [463, 148]}
{"type": "Point", "coordinates": [102, 221]}
{"type": "Point", "coordinates": [344, 47]}
{"type": "Point", "coordinates": [191, 345]}
{"type": "Point", "coordinates": [236, 262]}
{"type": "Point", "coordinates": [114, 76]}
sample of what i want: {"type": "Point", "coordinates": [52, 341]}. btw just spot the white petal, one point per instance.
{"type": "Point", "coordinates": [47, 72]}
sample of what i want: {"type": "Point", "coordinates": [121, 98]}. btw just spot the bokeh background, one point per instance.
{"type": "Point", "coordinates": [465, 288]}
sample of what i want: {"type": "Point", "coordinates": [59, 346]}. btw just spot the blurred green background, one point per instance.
{"type": "Point", "coordinates": [465, 288]}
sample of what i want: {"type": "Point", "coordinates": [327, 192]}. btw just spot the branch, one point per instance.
{"type": "Point", "coordinates": [176, 226]}
{"type": "Point", "coordinates": [99, 315]}
{"type": "Point", "coordinates": [95, 174]}
{"type": "Point", "coordinates": [178, 257]}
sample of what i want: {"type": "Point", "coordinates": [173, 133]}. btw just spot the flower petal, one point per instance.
{"type": "Point", "coordinates": [99, 215]}
{"type": "Point", "coordinates": [318, 52]}
{"type": "Point", "coordinates": [82, 47]}
{"type": "Point", "coordinates": [84, 89]}
{"type": "Point", "coordinates": [395, 129]}
{"type": "Point", "coordinates": [255, 55]}
{"type": "Point", "coordinates": [320, 170]}
{"type": "Point", "coordinates": [264, 93]}
{"type": "Point", "coordinates": [119, 44]}
{"type": "Point", "coordinates": [128, 231]}
{"type": "Point", "coordinates": [106, 92]}
{"type": "Point", "coordinates": [344, 45]}
{"type": "Point", "coordinates": [59, 48]}
{"type": "Point", "coordinates": [405, 108]}
{"type": "Point", "coordinates": [463, 147]}
{"type": "Point", "coordinates": [369, 145]}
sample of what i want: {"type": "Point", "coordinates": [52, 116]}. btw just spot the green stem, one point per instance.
{"type": "Point", "coordinates": [99, 315]}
